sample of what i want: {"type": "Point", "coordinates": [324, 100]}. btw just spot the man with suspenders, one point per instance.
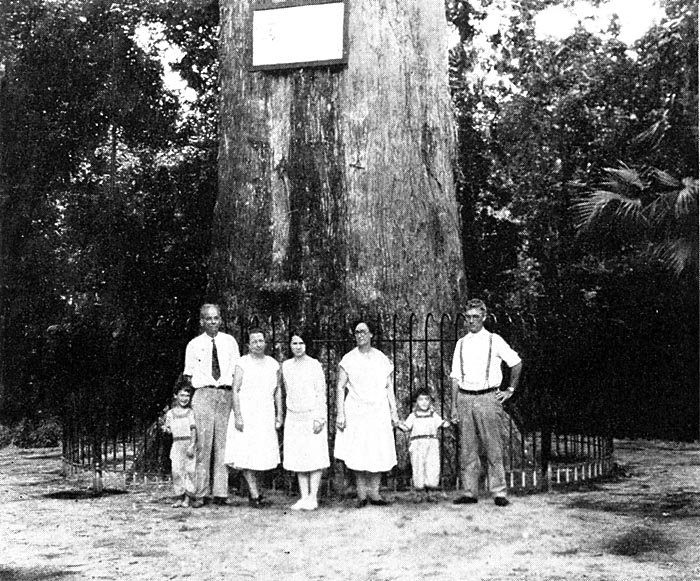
{"type": "Point", "coordinates": [476, 401]}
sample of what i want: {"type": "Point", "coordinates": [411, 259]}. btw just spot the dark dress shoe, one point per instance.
{"type": "Point", "coordinates": [465, 500]}
{"type": "Point", "coordinates": [197, 503]}
{"type": "Point", "coordinates": [379, 502]}
{"type": "Point", "coordinates": [361, 503]}
{"type": "Point", "coordinates": [220, 501]}
{"type": "Point", "coordinates": [501, 501]}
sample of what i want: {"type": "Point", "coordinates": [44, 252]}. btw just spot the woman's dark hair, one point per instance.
{"type": "Point", "coordinates": [304, 336]}
{"type": "Point", "coordinates": [370, 325]}
{"type": "Point", "coordinates": [297, 333]}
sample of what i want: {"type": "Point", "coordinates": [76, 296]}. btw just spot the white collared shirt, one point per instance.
{"type": "Point", "coordinates": [198, 359]}
{"type": "Point", "coordinates": [475, 354]}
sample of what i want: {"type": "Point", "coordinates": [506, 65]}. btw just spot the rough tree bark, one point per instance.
{"type": "Point", "coordinates": [3, 204]}
{"type": "Point", "coordinates": [340, 179]}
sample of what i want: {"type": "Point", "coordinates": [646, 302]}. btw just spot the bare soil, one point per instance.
{"type": "Point", "coordinates": [643, 524]}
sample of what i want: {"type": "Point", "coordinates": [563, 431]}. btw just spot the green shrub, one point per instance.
{"type": "Point", "coordinates": [44, 433]}
{"type": "Point", "coordinates": [5, 436]}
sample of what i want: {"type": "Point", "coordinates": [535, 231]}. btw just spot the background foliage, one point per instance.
{"type": "Point", "coordinates": [107, 195]}
{"type": "Point", "coordinates": [617, 328]}
{"type": "Point", "coordinates": [107, 189]}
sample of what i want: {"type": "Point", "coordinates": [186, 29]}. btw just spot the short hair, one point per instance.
{"type": "Point", "coordinates": [413, 400]}
{"type": "Point", "coordinates": [207, 306]}
{"type": "Point", "coordinates": [307, 338]}
{"type": "Point", "coordinates": [477, 304]}
{"type": "Point", "coordinates": [298, 333]}
{"type": "Point", "coordinates": [371, 326]}
{"type": "Point", "coordinates": [255, 330]}
{"type": "Point", "coordinates": [422, 391]}
{"type": "Point", "coordinates": [182, 383]}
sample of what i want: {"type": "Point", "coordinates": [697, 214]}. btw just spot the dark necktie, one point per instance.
{"type": "Point", "coordinates": [215, 369]}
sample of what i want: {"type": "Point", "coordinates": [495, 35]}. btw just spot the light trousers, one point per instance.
{"type": "Point", "coordinates": [480, 429]}
{"type": "Point", "coordinates": [425, 462]}
{"type": "Point", "coordinates": [212, 408]}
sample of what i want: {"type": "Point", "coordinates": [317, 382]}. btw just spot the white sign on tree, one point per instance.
{"type": "Point", "coordinates": [299, 33]}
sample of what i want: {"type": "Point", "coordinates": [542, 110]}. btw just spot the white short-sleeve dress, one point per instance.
{"type": "Point", "coordinates": [305, 387]}
{"type": "Point", "coordinates": [257, 446]}
{"type": "Point", "coordinates": [367, 442]}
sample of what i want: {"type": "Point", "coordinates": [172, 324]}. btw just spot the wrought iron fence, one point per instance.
{"type": "Point", "coordinates": [119, 443]}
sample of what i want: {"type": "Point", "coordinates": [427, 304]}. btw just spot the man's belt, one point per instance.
{"type": "Point", "coordinates": [478, 391]}
{"type": "Point", "coordinates": [179, 438]}
{"type": "Point", "coordinates": [424, 437]}
{"type": "Point", "coordinates": [226, 387]}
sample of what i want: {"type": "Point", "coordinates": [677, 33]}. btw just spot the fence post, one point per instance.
{"type": "Point", "coordinates": [97, 482]}
{"type": "Point", "coordinates": [546, 455]}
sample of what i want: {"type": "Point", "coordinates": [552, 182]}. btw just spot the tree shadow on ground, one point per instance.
{"type": "Point", "coordinates": [638, 541]}
{"type": "Point", "coordinates": [31, 573]}
{"type": "Point", "coordinates": [38, 483]}
{"type": "Point", "coordinates": [82, 494]}
{"type": "Point", "coordinates": [665, 505]}
{"type": "Point", "coordinates": [32, 456]}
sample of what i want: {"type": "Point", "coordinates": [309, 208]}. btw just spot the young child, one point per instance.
{"type": "Point", "coordinates": [179, 421]}
{"type": "Point", "coordinates": [424, 447]}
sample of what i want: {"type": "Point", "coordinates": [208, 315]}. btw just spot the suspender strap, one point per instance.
{"type": "Point", "coordinates": [488, 361]}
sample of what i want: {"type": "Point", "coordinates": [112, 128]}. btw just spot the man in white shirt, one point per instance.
{"type": "Point", "coordinates": [476, 403]}
{"type": "Point", "coordinates": [210, 360]}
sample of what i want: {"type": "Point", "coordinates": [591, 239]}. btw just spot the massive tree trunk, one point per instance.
{"type": "Point", "coordinates": [338, 181]}
{"type": "Point", "coordinates": [3, 204]}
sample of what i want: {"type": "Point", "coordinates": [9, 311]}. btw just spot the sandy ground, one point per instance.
{"type": "Point", "coordinates": [645, 524]}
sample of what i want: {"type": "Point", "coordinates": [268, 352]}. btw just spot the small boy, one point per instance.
{"type": "Point", "coordinates": [179, 421]}
{"type": "Point", "coordinates": [424, 447]}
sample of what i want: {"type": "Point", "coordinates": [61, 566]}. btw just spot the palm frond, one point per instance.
{"type": "Point", "coordinates": [666, 179]}
{"type": "Point", "coordinates": [679, 254]}
{"type": "Point", "coordinates": [654, 135]}
{"type": "Point", "coordinates": [687, 200]}
{"type": "Point", "coordinates": [626, 176]}
{"type": "Point", "coordinates": [652, 204]}
{"type": "Point", "coordinates": [602, 204]}
{"type": "Point", "coordinates": [660, 210]}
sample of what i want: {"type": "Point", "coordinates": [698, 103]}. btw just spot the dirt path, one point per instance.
{"type": "Point", "coordinates": [645, 525]}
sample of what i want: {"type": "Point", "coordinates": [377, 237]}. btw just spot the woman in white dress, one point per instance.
{"type": "Point", "coordinates": [366, 417]}
{"type": "Point", "coordinates": [305, 433]}
{"type": "Point", "coordinates": [251, 440]}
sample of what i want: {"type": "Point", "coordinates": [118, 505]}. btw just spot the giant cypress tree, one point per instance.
{"type": "Point", "coordinates": [338, 182]}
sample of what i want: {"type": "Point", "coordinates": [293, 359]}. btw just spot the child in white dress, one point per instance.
{"type": "Point", "coordinates": [424, 447]}
{"type": "Point", "coordinates": [180, 422]}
